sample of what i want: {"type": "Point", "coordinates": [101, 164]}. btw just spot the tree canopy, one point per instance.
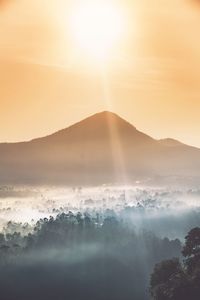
{"type": "Point", "coordinates": [174, 279]}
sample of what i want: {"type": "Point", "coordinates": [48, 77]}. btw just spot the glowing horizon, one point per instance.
{"type": "Point", "coordinates": [51, 75]}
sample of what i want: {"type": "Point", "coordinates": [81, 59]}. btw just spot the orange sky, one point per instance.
{"type": "Point", "coordinates": [152, 77]}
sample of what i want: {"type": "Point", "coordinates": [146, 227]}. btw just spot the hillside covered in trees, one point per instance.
{"type": "Point", "coordinates": [77, 256]}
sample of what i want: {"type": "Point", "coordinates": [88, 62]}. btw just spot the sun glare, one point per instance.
{"type": "Point", "coordinates": [96, 27]}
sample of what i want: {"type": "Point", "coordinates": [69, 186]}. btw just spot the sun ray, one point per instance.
{"type": "Point", "coordinates": [115, 139]}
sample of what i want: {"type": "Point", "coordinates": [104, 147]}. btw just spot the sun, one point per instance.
{"type": "Point", "coordinates": [96, 27]}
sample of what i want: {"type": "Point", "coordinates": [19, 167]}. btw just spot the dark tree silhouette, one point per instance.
{"type": "Point", "coordinates": [175, 280]}
{"type": "Point", "coordinates": [191, 251]}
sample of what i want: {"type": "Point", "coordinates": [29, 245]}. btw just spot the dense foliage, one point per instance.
{"type": "Point", "coordinates": [173, 280]}
{"type": "Point", "coordinates": [79, 257]}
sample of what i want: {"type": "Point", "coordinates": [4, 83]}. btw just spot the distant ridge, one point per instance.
{"type": "Point", "coordinates": [171, 142]}
{"type": "Point", "coordinates": [103, 148]}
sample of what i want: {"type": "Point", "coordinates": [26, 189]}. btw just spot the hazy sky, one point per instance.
{"type": "Point", "coordinates": [151, 77]}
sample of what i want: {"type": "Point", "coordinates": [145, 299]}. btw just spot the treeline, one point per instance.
{"type": "Point", "coordinates": [78, 256]}
{"type": "Point", "coordinates": [179, 280]}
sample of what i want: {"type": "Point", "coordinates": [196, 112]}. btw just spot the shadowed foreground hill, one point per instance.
{"type": "Point", "coordinates": [103, 148]}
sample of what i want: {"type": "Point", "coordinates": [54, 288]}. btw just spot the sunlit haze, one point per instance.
{"type": "Point", "coordinates": [100, 149]}
{"type": "Point", "coordinates": [52, 54]}
{"type": "Point", "coordinates": [96, 27]}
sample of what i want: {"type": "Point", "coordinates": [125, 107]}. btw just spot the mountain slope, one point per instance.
{"type": "Point", "coordinates": [103, 148]}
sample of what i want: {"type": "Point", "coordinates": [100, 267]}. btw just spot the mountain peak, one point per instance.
{"type": "Point", "coordinates": [102, 148]}
{"type": "Point", "coordinates": [108, 118]}
{"type": "Point", "coordinates": [105, 125]}
{"type": "Point", "coordinates": [105, 114]}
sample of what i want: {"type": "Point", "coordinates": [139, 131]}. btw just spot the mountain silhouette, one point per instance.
{"type": "Point", "coordinates": [103, 148]}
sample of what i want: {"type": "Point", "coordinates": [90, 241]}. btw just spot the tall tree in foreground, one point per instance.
{"type": "Point", "coordinates": [175, 280]}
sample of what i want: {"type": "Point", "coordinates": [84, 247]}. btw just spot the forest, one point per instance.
{"type": "Point", "coordinates": [103, 256]}
{"type": "Point", "coordinates": [102, 243]}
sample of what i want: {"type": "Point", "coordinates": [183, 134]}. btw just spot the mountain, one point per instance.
{"type": "Point", "coordinates": [170, 142]}
{"type": "Point", "coordinates": [103, 148]}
